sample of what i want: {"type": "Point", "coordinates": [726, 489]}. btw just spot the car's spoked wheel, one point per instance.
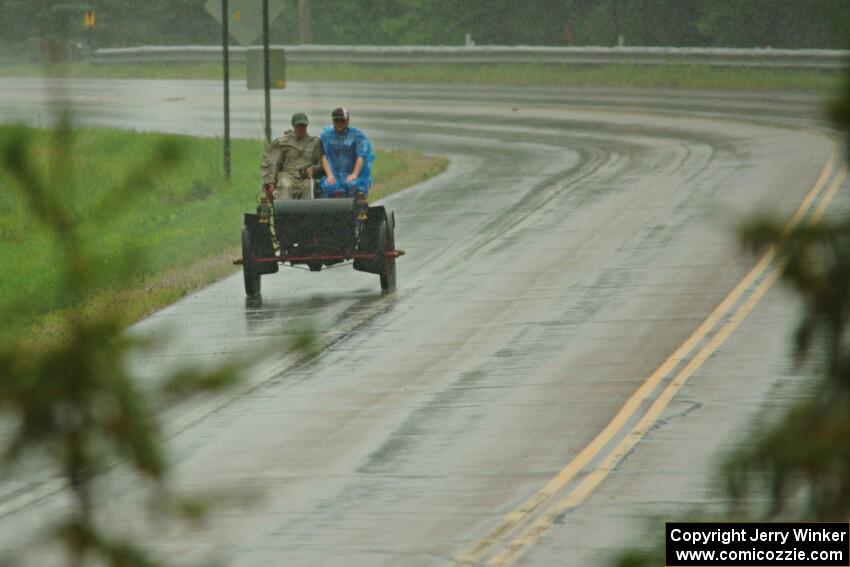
{"type": "Point", "coordinates": [249, 267]}
{"type": "Point", "coordinates": [386, 264]}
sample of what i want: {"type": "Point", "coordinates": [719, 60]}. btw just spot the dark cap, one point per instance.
{"type": "Point", "coordinates": [299, 118]}
{"type": "Point", "coordinates": [339, 114]}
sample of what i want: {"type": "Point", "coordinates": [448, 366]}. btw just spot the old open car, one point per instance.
{"type": "Point", "coordinates": [318, 233]}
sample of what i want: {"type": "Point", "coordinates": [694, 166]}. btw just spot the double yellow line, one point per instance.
{"type": "Point", "coordinates": [522, 527]}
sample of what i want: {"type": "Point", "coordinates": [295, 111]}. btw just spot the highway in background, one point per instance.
{"type": "Point", "coordinates": [575, 338]}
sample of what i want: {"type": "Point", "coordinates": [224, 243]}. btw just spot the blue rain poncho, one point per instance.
{"type": "Point", "coordinates": [342, 151]}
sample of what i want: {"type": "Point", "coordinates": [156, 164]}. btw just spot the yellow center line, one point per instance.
{"type": "Point", "coordinates": [828, 196]}
{"type": "Point", "coordinates": [595, 478]}
{"type": "Point", "coordinates": [475, 553]}
{"type": "Point", "coordinates": [629, 408]}
{"type": "Point", "coordinates": [826, 172]}
{"type": "Point", "coordinates": [580, 493]}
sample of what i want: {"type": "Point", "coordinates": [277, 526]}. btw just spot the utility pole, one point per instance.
{"type": "Point", "coordinates": [305, 35]}
{"type": "Point", "coordinates": [266, 72]}
{"type": "Point", "coordinates": [225, 41]}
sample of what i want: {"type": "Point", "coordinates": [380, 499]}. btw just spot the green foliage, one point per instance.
{"type": "Point", "coordinates": [777, 23]}
{"type": "Point", "coordinates": [806, 452]}
{"type": "Point", "coordinates": [130, 193]}
{"type": "Point", "coordinates": [703, 77]}
{"type": "Point", "coordinates": [640, 22]}
{"type": "Point", "coordinates": [74, 402]}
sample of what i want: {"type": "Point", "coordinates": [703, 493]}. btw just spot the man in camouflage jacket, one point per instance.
{"type": "Point", "coordinates": [290, 160]}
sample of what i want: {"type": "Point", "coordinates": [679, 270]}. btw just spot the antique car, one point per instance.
{"type": "Point", "coordinates": [315, 234]}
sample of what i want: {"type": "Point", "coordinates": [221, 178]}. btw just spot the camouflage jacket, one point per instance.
{"type": "Point", "coordinates": [288, 154]}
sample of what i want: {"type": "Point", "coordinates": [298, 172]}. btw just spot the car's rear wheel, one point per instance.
{"type": "Point", "coordinates": [386, 264]}
{"type": "Point", "coordinates": [249, 267]}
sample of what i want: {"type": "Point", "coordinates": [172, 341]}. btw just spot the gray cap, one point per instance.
{"type": "Point", "coordinates": [299, 118]}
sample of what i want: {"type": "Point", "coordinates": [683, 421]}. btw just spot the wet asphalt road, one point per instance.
{"type": "Point", "coordinates": [577, 239]}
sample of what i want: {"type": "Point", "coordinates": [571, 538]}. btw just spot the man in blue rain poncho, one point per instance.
{"type": "Point", "coordinates": [347, 159]}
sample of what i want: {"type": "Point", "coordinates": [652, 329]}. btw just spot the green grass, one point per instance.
{"type": "Point", "coordinates": [703, 77]}
{"type": "Point", "coordinates": [186, 230]}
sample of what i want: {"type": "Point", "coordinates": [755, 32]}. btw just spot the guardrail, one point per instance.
{"type": "Point", "coordinates": [379, 55]}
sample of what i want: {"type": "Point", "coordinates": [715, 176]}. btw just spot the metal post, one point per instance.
{"type": "Point", "coordinates": [266, 73]}
{"type": "Point", "coordinates": [225, 44]}
{"type": "Point", "coordinates": [305, 35]}
{"type": "Point", "coordinates": [616, 22]}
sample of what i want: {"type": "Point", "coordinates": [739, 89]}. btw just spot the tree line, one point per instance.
{"type": "Point", "coordinates": [722, 23]}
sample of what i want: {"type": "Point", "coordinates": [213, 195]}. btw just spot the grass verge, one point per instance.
{"type": "Point", "coordinates": [183, 236]}
{"type": "Point", "coordinates": [698, 77]}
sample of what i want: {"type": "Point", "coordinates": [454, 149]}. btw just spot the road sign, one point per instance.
{"type": "Point", "coordinates": [246, 17]}
{"type": "Point", "coordinates": [255, 68]}
{"type": "Point", "coordinates": [89, 19]}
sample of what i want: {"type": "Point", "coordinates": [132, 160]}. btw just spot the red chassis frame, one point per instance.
{"type": "Point", "coordinates": [357, 256]}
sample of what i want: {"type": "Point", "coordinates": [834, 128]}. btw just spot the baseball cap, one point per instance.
{"type": "Point", "coordinates": [339, 114]}
{"type": "Point", "coordinates": [299, 118]}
